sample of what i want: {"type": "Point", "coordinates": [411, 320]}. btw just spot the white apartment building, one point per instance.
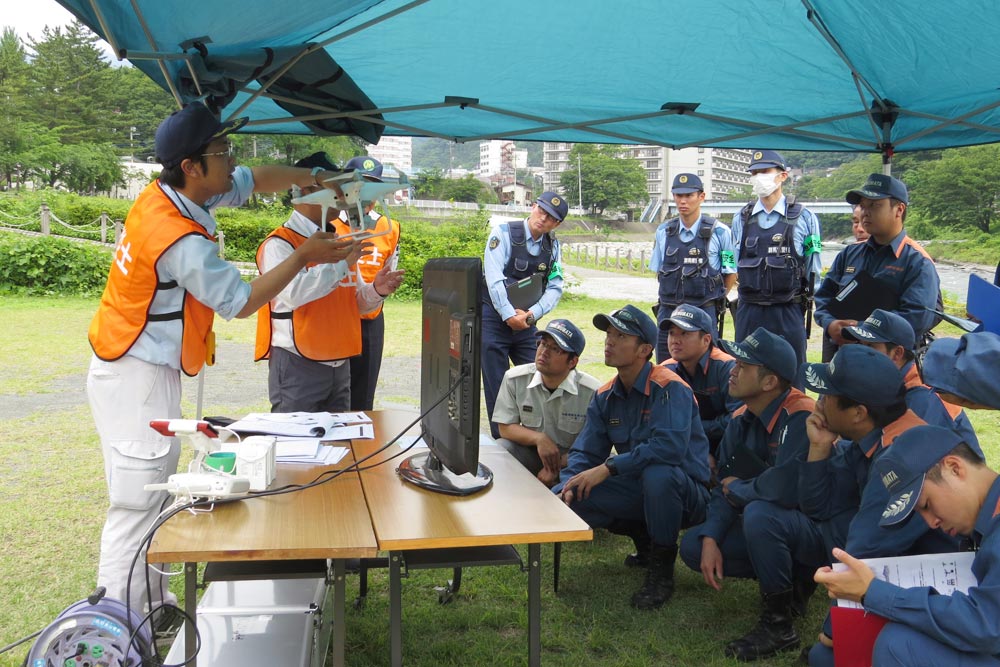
{"type": "Point", "coordinates": [722, 170]}
{"type": "Point", "coordinates": [396, 152]}
{"type": "Point", "coordinates": [500, 157]}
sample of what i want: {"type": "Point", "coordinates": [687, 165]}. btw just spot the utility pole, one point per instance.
{"type": "Point", "coordinates": [579, 174]}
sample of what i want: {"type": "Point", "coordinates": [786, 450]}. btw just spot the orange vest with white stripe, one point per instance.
{"type": "Point", "coordinates": [326, 329]}
{"type": "Point", "coordinates": [383, 248]}
{"type": "Point", "coordinates": [153, 226]}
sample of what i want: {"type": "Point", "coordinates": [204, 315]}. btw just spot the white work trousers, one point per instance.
{"type": "Point", "coordinates": [124, 396]}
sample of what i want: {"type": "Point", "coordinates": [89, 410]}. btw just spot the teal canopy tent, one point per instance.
{"type": "Point", "coordinates": [786, 74]}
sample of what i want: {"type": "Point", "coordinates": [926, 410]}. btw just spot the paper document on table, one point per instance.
{"type": "Point", "coordinates": [325, 456]}
{"type": "Point", "coordinates": [302, 424]}
{"type": "Point", "coordinates": [351, 417]}
{"type": "Point", "coordinates": [946, 573]}
{"type": "Point", "coordinates": [296, 448]}
{"type": "Point", "coordinates": [352, 432]}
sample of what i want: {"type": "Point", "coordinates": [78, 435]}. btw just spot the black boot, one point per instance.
{"type": "Point", "coordinates": [803, 588]}
{"type": "Point", "coordinates": [774, 632]}
{"type": "Point", "coordinates": [659, 584]}
{"type": "Point", "coordinates": [636, 531]}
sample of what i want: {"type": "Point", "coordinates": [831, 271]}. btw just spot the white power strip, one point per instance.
{"type": "Point", "coordinates": [203, 485]}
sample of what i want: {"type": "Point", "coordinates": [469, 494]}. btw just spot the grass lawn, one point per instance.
{"type": "Point", "coordinates": [52, 503]}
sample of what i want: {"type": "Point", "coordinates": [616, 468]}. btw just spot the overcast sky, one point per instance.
{"type": "Point", "coordinates": [30, 16]}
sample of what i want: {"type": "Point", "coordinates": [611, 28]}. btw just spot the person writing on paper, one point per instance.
{"type": "Point", "coordinates": [310, 330]}
{"type": "Point", "coordinates": [905, 272]}
{"type": "Point", "coordinates": [541, 406]}
{"type": "Point", "coordinates": [516, 252]}
{"type": "Point", "coordinates": [365, 367]}
{"type": "Point", "coordinates": [932, 472]}
{"type": "Point", "coordinates": [165, 285]}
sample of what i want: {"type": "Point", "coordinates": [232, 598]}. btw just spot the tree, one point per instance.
{"type": "Point", "coordinates": [961, 189]}
{"type": "Point", "coordinates": [13, 79]}
{"type": "Point", "coordinates": [609, 180]}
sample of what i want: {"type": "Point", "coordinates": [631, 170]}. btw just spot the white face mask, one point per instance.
{"type": "Point", "coordinates": [764, 184]}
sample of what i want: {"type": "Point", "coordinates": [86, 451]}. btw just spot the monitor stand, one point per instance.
{"type": "Point", "coordinates": [426, 471]}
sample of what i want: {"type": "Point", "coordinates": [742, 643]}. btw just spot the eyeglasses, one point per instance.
{"type": "Point", "coordinates": [230, 149]}
{"type": "Point", "coordinates": [549, 347]}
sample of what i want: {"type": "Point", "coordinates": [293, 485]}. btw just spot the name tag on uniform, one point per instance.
{"type": "Point", "coordinates": [614, 421]}
{"type": "Point", "coordinates": [527, 408]}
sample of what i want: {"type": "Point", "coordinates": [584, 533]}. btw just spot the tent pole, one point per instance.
{"type": "Point", "coordinates": [887, 147]}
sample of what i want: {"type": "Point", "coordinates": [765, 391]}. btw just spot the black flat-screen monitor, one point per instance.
{"type": "Point", "coordinates": [449, 367]}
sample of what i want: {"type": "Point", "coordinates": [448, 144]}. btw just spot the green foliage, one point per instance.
{"type": "Point", "coordinates": [609, 181]}
{"type": "Point", "coordinates": [834, 186]}
{"type": "Point", "coordinates": [48, 265]}
{"type": "Point", "coordinates": [433, 184]}
{"type": "Point", "coordinates": [961, 189]}
{"type": "Point", "coordinates": [244, 229]}
{"type": "Point", "coordinates": [420, 241]}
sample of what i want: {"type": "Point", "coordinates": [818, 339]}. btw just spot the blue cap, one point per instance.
{"type": "Point", "coordinates": [554, 205]}
{"type": "Point", "coordinates": [689, 318]}
{"type": "Point", "coordinates": [903, 467]}
{"type": "Point", "coordinates": [879, 186]}
{"type": "Point", "coordinates": [365, 164]}
{"type": "Point", "coordinates": [629, 320]}
{"type": "Point", "coordinates": [859, 373]}
{"type": "Point", "coordinates": [966, 367]}
{"type": "Point", "coordinates": [763, 348]}
{"type": "Point", "coordinates": [767, 159]}
{"type": "Point", "coordinates": [686, 184]}
{"type": "Point", "coordinates": [184, 132]}
{"type": "Point", "coordinates": [566, 335]}
{"type": "Point", "coordinates": [882, 326]}
{"type": "Point", "coordinates": [319, 159]}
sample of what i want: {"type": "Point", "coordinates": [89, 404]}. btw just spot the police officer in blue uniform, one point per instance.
{"type": "Point", "coordinates": [706, 368]}
{"type": "Point", "coordinates": [523, 282]}
{"type": "Point", "coordinates": [778, 246]}
{"type": "Point", "coordinates": [693, 257]}
{"type": "Point", "coordinates": [931, 471]}
{"type": "Point", "coordinates": [892, 335]}
{"type": "Point", "coordinates": [659, 474]}
{"type": "Point", "coordinates": [906, 281]}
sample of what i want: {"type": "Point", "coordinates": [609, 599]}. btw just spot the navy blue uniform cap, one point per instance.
{"type": "Point", "coordinates": [686, 184]}
{"type": "Point", "coordinates": [860, 373]}
{"type": "Point", "coordinates": [903, 467]}
{"type": "Point", "coordinates": [766, 159]}
{"type": "Point", "coordinates": [966, 367]}
{"type": "Point", "coordinates": [554, 205]}
{"type": "Point", "coordinates": [629, 320]}
{"type": "Point", "coordinates": [689, 318]}
{"type": "Point", "coordinates": [882, 326]}
{"type": "Point", "coordinates": [566, 335]}
{"type": "Point", "coordinates": [186, 131]}
{"type": "Point", "coordinates": [879, 186]}
{"type": "Point", "coordinates": [763, 348]}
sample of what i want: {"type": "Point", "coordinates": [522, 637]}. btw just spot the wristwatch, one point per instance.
{"type": "Point", "coordinates": [609, 463]}
{"type": "Point", "coordinates": [530, 319]}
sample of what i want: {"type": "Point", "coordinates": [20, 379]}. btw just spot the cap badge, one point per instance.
{"type": "Point", "coordinates": [556, 201]}
{"type": "Point", "coordinates": [758, 155]}
{"type": "Point", "coordinates": [368, 164]}
{"type": "Point", "coordinates": [682, 179]}
{"type": "Point", "coordinates": [897, 506]}
{"type": "Point", "coordinates": [814, 379]}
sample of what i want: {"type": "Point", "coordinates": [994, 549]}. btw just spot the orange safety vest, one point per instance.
{"type": "Point", "coordinates": [326, 329]}
{"type": "Point", "coordinates": [385, 246]}
{"type": "Point", "coordinates": [153, 226]}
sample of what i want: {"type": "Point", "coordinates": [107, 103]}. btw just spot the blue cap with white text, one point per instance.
{"type": "Point", "coordinates": [566, 335]}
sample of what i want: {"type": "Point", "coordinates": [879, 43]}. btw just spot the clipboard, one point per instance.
{"type": "Point", "coordinates": [858, 631]}
{"type": "Point", "coordinates": [525, 293]}
{"type": "Point", "coordinates": [858, 298]}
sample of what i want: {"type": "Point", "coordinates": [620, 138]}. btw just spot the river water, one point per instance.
{"type": "Point", "coordinates": [604, 285]}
